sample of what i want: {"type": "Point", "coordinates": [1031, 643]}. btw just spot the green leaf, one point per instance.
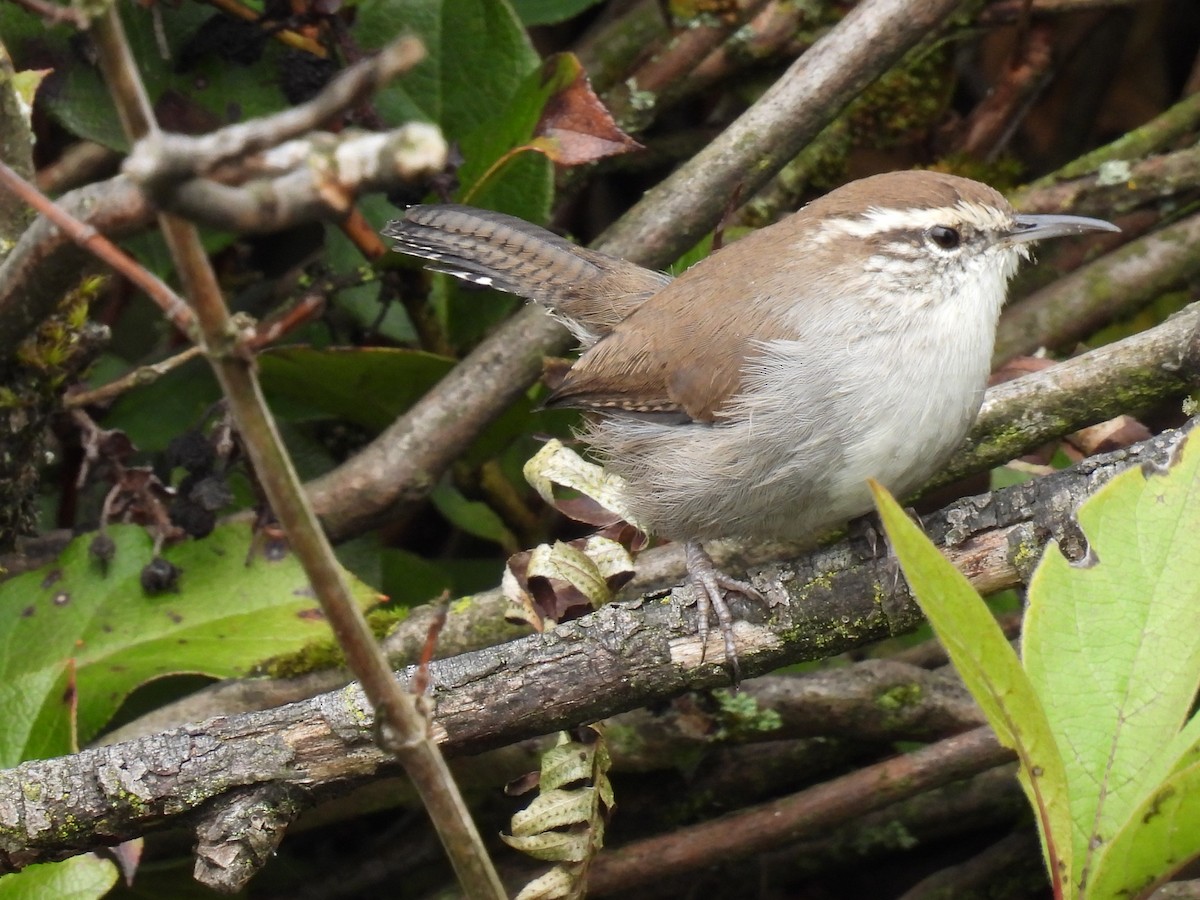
{"type": "Point", "coordinates": [477, 55]}
{"type": "Point", "coordinates": [553, 809]}
{"type": "Point", "coordinates": [551, 846]}
{"type": "Point", "coordinates": [369, 386]}
{"type": "Point", "coordinates": [550, 12]}
{"type": "Point", "coordinates": [1161, 835]}
{"type": "Point", "coordinates": [472, 516]}
{"type": "Point", "coordinates": [83, 877]}
{"type": "Point", "coordinates": [151, 415]}
{"type": "Point", "coordinates": [213, 92]}
{"type": "Point", "coordinates": [483, 175]}
{"type": "Point", "coordinates": [409, 579]}
{"type": "Point", "coordinates": [992, 673]}
{"type": "Point", "coordinates": [233, 609]}
{"type": "Point", "coordinates": [1113, 648]}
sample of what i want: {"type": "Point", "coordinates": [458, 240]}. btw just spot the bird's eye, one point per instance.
{"type": "Point", "coordinates": [945, 237]}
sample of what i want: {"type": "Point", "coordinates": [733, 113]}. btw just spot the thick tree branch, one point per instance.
{"type": "Point", "coordinates": [621, 657]}
{"type": "Point", "coordinates": [804, 814]}
{"type": "Point", "coordinates": [161, 160]}
{"type": "Point", "coordinates": [1128, 376]}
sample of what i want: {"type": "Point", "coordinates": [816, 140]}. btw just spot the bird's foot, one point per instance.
{"type": "Point", "coordinates": [709, 585]}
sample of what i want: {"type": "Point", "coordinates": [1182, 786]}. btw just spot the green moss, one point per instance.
{"type": "Point", "coordinates": [821, 581]}
{"type": "Point", "coordinates": [462, 604]}
{"type": "Point", "coordinates": [1024, 552]}
{"type": "Point", "coordinates": [623, 740]}
{"type": "Point", "coordinates": [1026, 557]}
{"type": "Point", "coordinates": [363, 717]}
{"type": "Point", "coordinates": [316, 656]}
{"type": "Point", "coordinates": [325, 653]}
{"type": "Point", "coordinates": [383, 619]}
{"type": "Point", "coordinates": [892, 835]}
{"type": "Point", "coordinates": [55, 345]}
{"type": "Point", "coordinates": [899, 107]}
{"type": "Point", "coordinates": [739, 715]}
{"type": "Point", "coordinates": [1004, 173]}
{"type": "Point", "coordinates": [899, 697]}
{"type": "Point", "coordinates": [134, 805]}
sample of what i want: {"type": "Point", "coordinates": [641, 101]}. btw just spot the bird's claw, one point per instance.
{"type": "Point", "coordinates": [709, 585]}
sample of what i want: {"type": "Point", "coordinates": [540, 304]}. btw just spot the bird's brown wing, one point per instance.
{"type": "Point", "coordinates": [667, 361]}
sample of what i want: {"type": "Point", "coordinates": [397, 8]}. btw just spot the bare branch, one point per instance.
{"type": "Point", "coordinates": [662, 76]}
{"type": "Point", "coordinates": [621, 657]}
{"type": "Point", "coordinates": [1117, 284]}
{"type": "Point", "coordinates": [402, 719]}
{"type": "Point", "coordinates": [140, 376]}
{"type": "Point", "coordinates": [160, 159]}
{"type": "Point", "coordinates": [800, 815]}
{"type": "Point", "coordinates": [171, 304]}
{"type": "Point", "coordinates": [322, 176]}
{"type": "Point", "coordinates": [674, 214]}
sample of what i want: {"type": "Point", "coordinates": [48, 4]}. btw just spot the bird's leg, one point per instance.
{"type": "Point", "coordinates": [879, 547]}
{"type": "Point", "coordinates": [709, 585]}
{"type": "Point", "coordinates": [869, 528]}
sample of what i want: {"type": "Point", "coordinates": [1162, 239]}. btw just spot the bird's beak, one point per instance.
{"type": "Point", "coordinates": [1027, 228]}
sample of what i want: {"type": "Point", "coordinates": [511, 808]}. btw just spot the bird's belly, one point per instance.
{"type": "Point", "coordinates": [768, 478]}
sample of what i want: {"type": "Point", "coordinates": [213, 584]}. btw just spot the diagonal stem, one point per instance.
{"type": "Point", "coordinates": [403, 722]}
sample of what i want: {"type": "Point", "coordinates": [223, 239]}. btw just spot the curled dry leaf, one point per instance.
{"type": "Point", "coordinates": [566, 821]}
{"type": "Point", "coordinates": [557, 582]}
{"type": "Point", "coordinates": [557, 466]}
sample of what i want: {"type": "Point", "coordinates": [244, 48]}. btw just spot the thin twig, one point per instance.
{"type": "Point", "coordinates": [1120, 187]}
{"type": "Point", "coordinates": [1181, 119]}
{"type": "Point", "coordinates": [172, 305]}
{"type": "Point", "coordinates": [322, 177]}
{"type": "Point", "coordinates": [402, 722]}
{"type": "Point", "coordinates": [313, 178]}
{"type": "Point", "coordinates": [674, 214]}
{"type": "Point", "coordinates": [661, 78]}
{"type": "Point", "coordinates": [139, 377]}
{"type": "Point", "coordinates": [285, 36]}
{"type": "Point", "coordinates": [55, 13]}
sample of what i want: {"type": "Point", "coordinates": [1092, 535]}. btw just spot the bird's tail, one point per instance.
{"type": "Point", "coordinates": [590, 291]}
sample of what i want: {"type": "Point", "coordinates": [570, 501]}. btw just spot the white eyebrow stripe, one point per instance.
{"type": "Point", "coordinates": [879, 220]}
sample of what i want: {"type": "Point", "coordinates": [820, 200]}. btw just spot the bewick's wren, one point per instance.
{"type": "Point", "coordinates": [754, 395]}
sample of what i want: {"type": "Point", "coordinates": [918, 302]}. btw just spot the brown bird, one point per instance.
{"type": "Point", "coordinates": [754, 395]}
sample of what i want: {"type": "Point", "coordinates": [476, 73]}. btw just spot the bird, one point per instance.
{"type": "Point", "coordinates": [753, 396]}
